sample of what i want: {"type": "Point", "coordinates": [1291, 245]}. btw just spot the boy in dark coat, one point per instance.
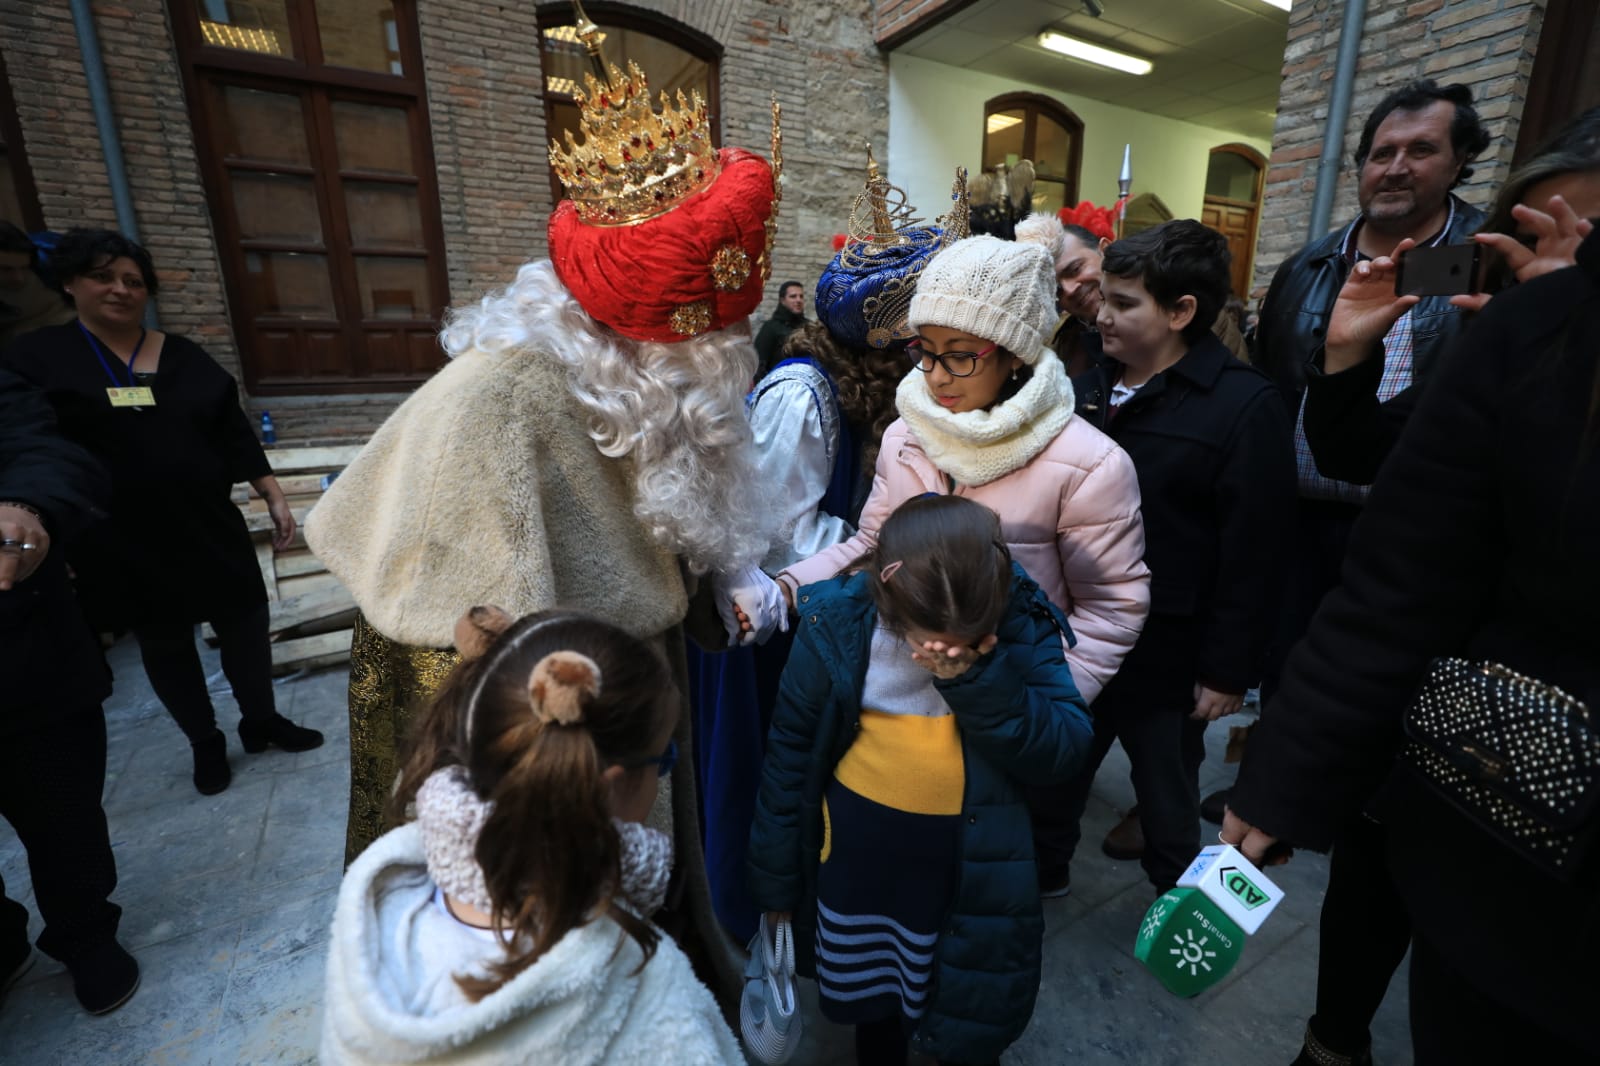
{"type": "Point", "coordinates": [1211, 442]}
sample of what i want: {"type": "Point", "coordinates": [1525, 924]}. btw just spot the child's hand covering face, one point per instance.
{"type": "Point", "coordinates": [946, 656]}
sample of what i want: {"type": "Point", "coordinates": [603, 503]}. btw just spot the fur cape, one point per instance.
{"type": "Point", "coordinates": [485, 487]}
{"type": "Point", "coordinates": [586, 1002]}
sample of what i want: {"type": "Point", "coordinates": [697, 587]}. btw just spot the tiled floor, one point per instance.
{"type": "Point", "coordinates": [226, 902]}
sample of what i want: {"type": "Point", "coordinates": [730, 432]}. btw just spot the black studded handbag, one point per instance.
{"type": "Point", "coordinates": [1520, 758]}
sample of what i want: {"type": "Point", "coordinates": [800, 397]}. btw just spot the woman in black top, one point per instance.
{"type": "Point", "coordinates": [165, 421]}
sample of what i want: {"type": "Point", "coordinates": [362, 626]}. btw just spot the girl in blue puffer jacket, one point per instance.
{"type": "Point", "coordinates": [923, 692]}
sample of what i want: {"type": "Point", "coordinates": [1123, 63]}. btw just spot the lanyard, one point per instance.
{"type": "Point", "coordinates": [100, 353]}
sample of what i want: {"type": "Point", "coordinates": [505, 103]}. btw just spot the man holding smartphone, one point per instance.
{"type": "Point", "coordinates": [1417, 145]}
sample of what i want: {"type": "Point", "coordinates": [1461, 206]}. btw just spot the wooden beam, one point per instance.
{"type": "Point", "coordinates": [310, 606]}
{"type": "Point", "coordinates": [323, 650]}
{"type": "Point", "coordinates": [297, 562]}
{"type": "Point", "coordinates": [285, 460]}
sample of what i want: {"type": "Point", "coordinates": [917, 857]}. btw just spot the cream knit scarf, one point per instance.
{"type": "Point", "coordinates": [976, 447]}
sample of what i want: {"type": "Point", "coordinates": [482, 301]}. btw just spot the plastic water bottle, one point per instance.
{"type": "Point", "coordinates": [269, 435]}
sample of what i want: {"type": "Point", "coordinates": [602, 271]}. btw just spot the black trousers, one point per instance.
{"type": "Point", "coordinates": [172, 662]}
{"type": "Point", "coordinates": [1452, 1022]}
{"type": "Point", "coordinates": [1365, 933]}
{"type": "Point", "coordinates": [50, 784]}
{"type": "Point", "coordinates": [1166, 748]}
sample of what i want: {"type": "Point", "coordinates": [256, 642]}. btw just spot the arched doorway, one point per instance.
{"type": "Point", "coordinates": [1233, 205]}
{"type": "Point", "coordinates": [1019, 126]}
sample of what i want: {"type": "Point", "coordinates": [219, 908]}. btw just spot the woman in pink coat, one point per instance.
{"type": "Point", "coordinates": [987, 413]}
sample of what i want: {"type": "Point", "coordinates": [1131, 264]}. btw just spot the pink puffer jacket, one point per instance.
{"type": "Point", "coordinates": [1071, 518]}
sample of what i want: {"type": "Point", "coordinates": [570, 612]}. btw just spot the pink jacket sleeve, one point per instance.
{"type": "Point", "coordinates": [1101, 540]}
{"type": "Point", "coordinates": [892, 484]}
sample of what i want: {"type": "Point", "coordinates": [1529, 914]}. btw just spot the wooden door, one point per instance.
{"type": "Point", "coordinates": [311, 126]}
{"type": "Point", "coordinates": [1237, 222]}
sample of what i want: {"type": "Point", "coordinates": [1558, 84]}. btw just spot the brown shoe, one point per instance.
{"type": "Point", "coordinates": [1125, 842]}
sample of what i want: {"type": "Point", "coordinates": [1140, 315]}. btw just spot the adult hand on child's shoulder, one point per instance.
{"type": "Point", "coordinates": [949, 661]}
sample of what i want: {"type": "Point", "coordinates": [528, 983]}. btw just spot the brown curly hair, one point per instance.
{"type": "Point", "coordinates": [866, 379]}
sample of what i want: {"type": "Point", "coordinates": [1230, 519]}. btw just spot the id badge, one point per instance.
{"type": "Point", "coordinates": [142, 396]}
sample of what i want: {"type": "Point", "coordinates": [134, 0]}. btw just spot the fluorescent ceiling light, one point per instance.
{"type": "Point", "coordinates": [1093, 53]}
{"type": "Point", "coordinates": [1283, 4]}
{"type": "Point", "coordinates": [1001, 121]}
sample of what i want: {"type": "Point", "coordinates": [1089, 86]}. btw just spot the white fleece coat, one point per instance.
{"type": "Point", "coordinates": [582, 1004]}
{"type": "Point", "coordinates": [485, 487]}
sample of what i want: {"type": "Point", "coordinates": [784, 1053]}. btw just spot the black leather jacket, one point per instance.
{"type": "Point", "coordinates": [1294, 314]}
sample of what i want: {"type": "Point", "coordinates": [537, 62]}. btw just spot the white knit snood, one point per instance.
{"type": "Point", "coordinates": [977, 447]}
{"type": "Point", "coordinates": [451, 816]}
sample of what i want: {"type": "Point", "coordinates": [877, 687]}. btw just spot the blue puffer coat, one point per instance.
{"type": "Point", "coordinates": [1021, 721]}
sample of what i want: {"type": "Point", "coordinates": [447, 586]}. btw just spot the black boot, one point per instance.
{"type": "Point", "coordinates": [105, 978]}
{"type": "Point", "coordinates": [211, 773]}
{"type": "Point", "coordinates": [1315, 1053]}
{"type": "Point", "coordinates": [256, 736]}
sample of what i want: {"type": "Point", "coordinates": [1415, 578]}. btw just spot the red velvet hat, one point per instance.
{"type": "Point", "coordinates": [662, 237]}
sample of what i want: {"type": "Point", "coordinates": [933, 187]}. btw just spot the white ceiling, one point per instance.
{"type": "Point", "coordinates": [1217, 62]}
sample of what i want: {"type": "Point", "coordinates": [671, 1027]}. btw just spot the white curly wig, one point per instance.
{"type": "Point", "coordinates": [676, 410]}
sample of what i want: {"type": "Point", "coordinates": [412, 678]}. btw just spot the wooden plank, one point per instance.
{"type": "Point", "coordinates": [297, 563]}
{"type": "Point", "coordinates": [310, 606]}
{"type": "Point", "coordinates": [291, 484]}
{"type": "Point", "coordinates": [289, 460]}
{"type": "Point", "coordinates": [337, 658]}
{"type": "Point", "coordinates": [269, 572]}
{"type": "Point", "coordinates": [291, 587]}
{"type": "Point", "coordinates": [298, 502]}
{"type": "Point", "coordinates": [261, 522]}
{"type": "Point", "coordinates": [345, 619]}
{"type": "Point", "coordinates": [326, 649]}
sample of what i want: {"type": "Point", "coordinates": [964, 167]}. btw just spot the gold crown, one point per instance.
{"type": "Point", "coordinates": [882, 219]}
{"type": "Point", "coordinates": [634, 163]}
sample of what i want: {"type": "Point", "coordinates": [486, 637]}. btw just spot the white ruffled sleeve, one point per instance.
{"type": "Point", "coordinates": [795, 452]}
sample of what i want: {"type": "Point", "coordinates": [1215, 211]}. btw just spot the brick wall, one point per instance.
{"type": "Point", "coordinates": [896, 19]}
{"type": "Point", "coordinates": [46, 69]}
{"type": "Point", "coordinates": [1488, 44]}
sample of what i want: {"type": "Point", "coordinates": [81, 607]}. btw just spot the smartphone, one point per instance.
{"type": "Point", "coordinates": [1442, 270]}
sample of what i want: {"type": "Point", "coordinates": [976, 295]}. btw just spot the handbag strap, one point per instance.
{"type": "Point", "coordinates": [781, 972]}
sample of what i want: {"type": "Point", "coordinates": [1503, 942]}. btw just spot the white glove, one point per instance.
{"type": "Point", "coordinates": [758, 596]}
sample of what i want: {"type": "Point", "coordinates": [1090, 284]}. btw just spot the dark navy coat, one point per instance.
{"type": "Point", "coordinates": [1021, 721]}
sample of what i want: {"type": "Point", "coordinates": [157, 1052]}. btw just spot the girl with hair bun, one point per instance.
{"type": "Point", "coordinates": [508, 921]}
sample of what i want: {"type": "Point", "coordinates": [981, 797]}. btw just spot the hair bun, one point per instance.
{"type": "Point", "coordinates": [479, 628]}
{"type": "Point", "coordinates": [560, 684]}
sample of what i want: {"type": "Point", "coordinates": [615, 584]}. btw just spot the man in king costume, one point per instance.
{"type": "Point", "coordinates": [586, 447]}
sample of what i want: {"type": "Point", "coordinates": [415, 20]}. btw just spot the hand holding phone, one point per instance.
{"type": "Point", "coordinates": [1440, 270]}
{"type": "Point", "coordinates": [1366, 309]}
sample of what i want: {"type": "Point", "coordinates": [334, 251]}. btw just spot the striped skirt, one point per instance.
{"type": "Point", "coordinates": [883, 889]}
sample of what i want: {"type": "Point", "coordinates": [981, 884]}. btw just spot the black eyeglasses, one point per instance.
{"type": "Point", "coordinates": [956, 364]}
{"type": "Point", "coordinates": [663, 762]}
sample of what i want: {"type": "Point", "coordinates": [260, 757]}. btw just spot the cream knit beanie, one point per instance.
{"type": "Point", "coordinates": [996, 290]}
